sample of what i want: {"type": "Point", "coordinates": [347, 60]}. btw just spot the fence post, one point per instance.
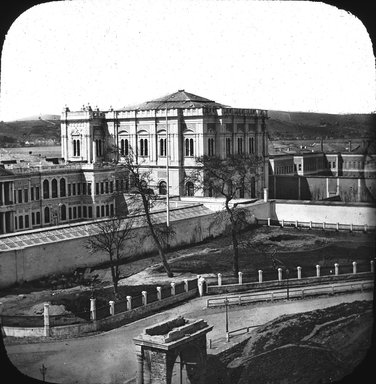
{"type": "Point", "coordinates": [323, 225]}
{"type": "Point", "coordinates": [219, 278]}
{"type": "Point", "coordinates": [337, 227]}
{"type": "Point", "coordinates": [265, 195]}
{"type": "Point", "coordinates": [317, 270]}
{"type": "Point", "coordinates": [200, 283]}
{"type": "Point", "coordinates": [268, 221]}
{"type": "Point", "coordinates": [93, 310]}
{"type": "Point", "coordinates": [240, 274]}
{"type": "Point", "coordinates": [144, 297]}
{"type": "Point", "coordinates": [296, 223]}
{"type": "Point", "coordinates": [260, 275]}
{"type": "Point", "coordinates": [351, 227]}
{"type": "Point", "coordinates": [46, 319]}
{"type": "Point", "coordinates": [336, 269]}
{"type": "Point", "coordinates": [279, 274]}
{"type": "Point", "coordinates": [186, 288]}
{"type": "Point", "coordinates": [129, 303]}
{"type": "Point", "coordinates": [159, 293]}
{"type": "Point", "coordinates": [299, 272]}
{"type": "Point", "coordinates": [172, 289]}
{"type": "Point", "coordinates": [282, 223]}
{"type": "Point", "coordinates": [354, 266]}
{"type": "Point", "coordinates": [310, 225]}
{"type": "Point", "coordinates": [112, 307]}
{"type": "Point", "coordinates": [365, 228]}
{"type": "Point", "coordinates": [372, 266]}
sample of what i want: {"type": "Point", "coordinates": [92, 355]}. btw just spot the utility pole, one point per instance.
{"type": "Point", "coordinates": [167, 176]}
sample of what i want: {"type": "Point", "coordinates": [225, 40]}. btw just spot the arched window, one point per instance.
{"type": "Point", "coordinates": [251, 145]}
{"type": "Point", "coordinates": [162, 188]}
{"type": "Point", "coordinates": [189, 147]}
{"type": "Point", "coordinates": [76, 148]}
{"type": "Point", "coordinates": [62, 187]}
{"type": "Point", "coordinates": [228, 146]}
{"type": "Point", "coordinates": [54, 187]}
{"type": "Point", "coordinates": [211, 151]}
{"type": "Point", "coordinates": [143, 147]}
{"type": "Point", "coordinates": [240, 145]}
{"type": "Point", "coordinates": [63, 212]}
{"type": "Point", "coordinates": [162, 147]}
{"type": "Point", "coordinates": [46, 215]}
{"type": "Point", "coordinates": [189, 189]}
{"type": "Point", "coordinates": [124, 147]}
{"type": "Point", "coordinates": [98, 147]}
{"type": "Point", "coordinates": [46, 189]}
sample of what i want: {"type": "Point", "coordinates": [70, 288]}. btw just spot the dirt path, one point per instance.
{"type": "Point", "coordinates": [109, 357]}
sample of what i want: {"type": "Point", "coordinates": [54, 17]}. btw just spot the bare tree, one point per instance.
{"type": "Point", "coordinates": [110, 236]}
{"type": "Point", "coordinates": [229, 178]}
{"type": "Point", "coordinates": [141, 198]}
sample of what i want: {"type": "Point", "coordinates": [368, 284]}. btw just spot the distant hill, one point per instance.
{"type": "Point", "coordinates": [281, 125]}
{"type": "Point", "coordinates": [43, 130]}
{"type": "Point", "coordinates": [307, 125]}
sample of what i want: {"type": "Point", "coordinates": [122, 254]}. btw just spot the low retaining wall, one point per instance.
{"type": "Point", "coordinates": [105, 324]}
{"type": "Point", "coordinates": [293, 282]}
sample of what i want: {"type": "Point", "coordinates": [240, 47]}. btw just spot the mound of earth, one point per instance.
{"type": "Point", "coordinates": [319, 346]}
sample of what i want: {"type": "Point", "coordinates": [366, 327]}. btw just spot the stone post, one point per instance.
{"type": "Point", "coordinates": [299, 269]}
{"type": "Point", "coordinates": [354, 266]}
{"type": "Point", "coordinates": [186, 287]}
{"type": "Point", "coordinates": [351, 227]}
{"type": "Point", "coordinates": [268, 221]}
{"type": "Point", "coordinates": [317, 270]}
{"type": "Point", "coordinates": [93, 310]}
{"type": "Point", "coordinates": [200, 284]}
{"type": "Point", "coordinates": [144, 297]}
{"type": "Point", "coordinates": [129, 303]}
{"type": "Point", "coordinates": [323, 225]}
{"type": "Point", "coordinates": [112, 307]}
{"type": "Point", "coordinates": [159, 293]}
{"type": "Point", "coordinates": [372, 266]}
{"type": "Point", "coordinates": [219, 278]}
{"type": "Point", "coordinates": [296, 223]}
{"type": "Point", "coordinates": [260, 275]}
{"type": "Point", "coordinates": [240, 274]}
{"type": "Point", "coordinates": [336, 269]}
{"type": "Point", "coordinates": [282, 223]}
{"type": "Point", "coordinates": [265, 195]}
{"type": "Point", "coordinates": [279, 274]}
{"type": "Point", "coordinates": [46, 319]}
{"type": "Point", "coordinates": [172, 289]}
{"type": "Point", "coordinates": [337, 226]}
{"type": "Point", "coordinates": [365, 228]}
{"type": "Point", "coordinates": [310, 225]}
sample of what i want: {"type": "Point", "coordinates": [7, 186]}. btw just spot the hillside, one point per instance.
{"type": "Point", "coordinates": [40, 131]}
{"type": "Point", "coordinates": [45, 129]}
{"type": "Point", "coordinates": [305, 125]}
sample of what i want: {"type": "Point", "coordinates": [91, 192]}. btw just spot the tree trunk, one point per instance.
{"type": "Point", "coordinates": [235, 261]}
{"type": "Point", "coordinates": [155, 238]}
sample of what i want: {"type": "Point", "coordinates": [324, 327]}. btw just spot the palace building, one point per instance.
{"type": "Point", "coordinates": [181, 124]}
{"type": "Point", "coordinates": [166, 133]}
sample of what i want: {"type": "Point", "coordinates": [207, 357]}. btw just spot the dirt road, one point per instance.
{"type": "Point", "coordinates": [109, 357]}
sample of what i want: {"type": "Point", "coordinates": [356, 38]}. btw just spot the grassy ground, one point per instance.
{"type": "Point", "coordinates": [291, 248]}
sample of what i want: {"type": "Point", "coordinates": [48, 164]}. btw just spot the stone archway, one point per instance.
{"type": "Point", "coordinates": [173, 352]}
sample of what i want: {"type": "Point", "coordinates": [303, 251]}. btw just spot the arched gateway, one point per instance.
{"type": "Point", "coordinates": [172, 352]}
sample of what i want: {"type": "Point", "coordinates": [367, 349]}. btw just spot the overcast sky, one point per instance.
{"type": "Point", "coordinates": [293, 56]}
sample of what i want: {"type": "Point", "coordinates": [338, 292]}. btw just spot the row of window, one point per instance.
{"type": "Point", "coordinates": [77, 147]}
{"type": "Point", "coordinates": [72, 213]}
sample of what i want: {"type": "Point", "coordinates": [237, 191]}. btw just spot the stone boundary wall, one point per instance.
{"type": "Point", "coordinates": [105, 324]}
{"type": "Point", "coordinates": [324, 211]}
